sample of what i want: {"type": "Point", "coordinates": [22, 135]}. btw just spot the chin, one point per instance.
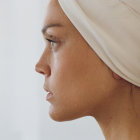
{"type": "Point", "coordinates": [61, 115]}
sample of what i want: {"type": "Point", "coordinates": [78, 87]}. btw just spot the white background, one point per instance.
{"type": "Point", "coordinates": [23, 109]}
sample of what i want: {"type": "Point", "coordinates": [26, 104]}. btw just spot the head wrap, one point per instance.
{"type": "Point", "coordinates": [112, 30]}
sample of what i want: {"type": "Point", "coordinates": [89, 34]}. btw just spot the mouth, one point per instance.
{"type": "Point", "coordinates": [49, 95]}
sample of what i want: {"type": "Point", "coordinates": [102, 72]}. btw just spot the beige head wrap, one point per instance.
{"type": "Point", "coordinates": [112, 29]}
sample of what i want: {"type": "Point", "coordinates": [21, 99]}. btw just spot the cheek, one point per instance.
{"type": "Point", "coordinates": [70, 70]}
{"type": "Point", "coordinates": [67, 66]}
{"type": "Point", "coordinates": [67, 77]}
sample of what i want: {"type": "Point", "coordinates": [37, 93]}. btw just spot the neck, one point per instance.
{"type": "Point", "coordinates": [119, 116]}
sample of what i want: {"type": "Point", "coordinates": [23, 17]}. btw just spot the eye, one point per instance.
{"type": "Point", "coordinates": [53, 43]}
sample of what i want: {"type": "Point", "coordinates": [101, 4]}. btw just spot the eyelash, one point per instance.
{"type": "Point", "coordinates": [51, 41]}
{"type": "Point", "coordinates": [52, 46]}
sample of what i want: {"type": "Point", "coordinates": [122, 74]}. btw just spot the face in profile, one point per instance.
{"type": "Point", "coordinates": [79, 80]}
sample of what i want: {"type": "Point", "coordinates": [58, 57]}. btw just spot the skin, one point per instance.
{"type": "Point", "coordinates": [82, 85]}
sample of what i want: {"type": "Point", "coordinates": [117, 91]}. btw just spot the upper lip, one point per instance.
{"type": "Point", "coordinates": [46, 89]}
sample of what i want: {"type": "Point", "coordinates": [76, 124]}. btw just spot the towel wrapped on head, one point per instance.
{"type": "Point", "coordinates": [112, 30]}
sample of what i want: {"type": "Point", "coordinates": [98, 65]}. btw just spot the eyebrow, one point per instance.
{"type": "Point", "coordinates": [50, 25]}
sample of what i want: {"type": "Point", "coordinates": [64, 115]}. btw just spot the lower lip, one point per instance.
{"type": "Point", "coordinates": [49, 96]}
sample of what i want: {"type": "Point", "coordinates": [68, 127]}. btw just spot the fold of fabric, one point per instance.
{"type": "Point", "coordinates": [112, 30]}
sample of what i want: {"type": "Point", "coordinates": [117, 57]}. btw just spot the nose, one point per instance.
{"type": "Point", "coordinates": [43, 67]}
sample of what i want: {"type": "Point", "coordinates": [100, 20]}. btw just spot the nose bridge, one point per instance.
{"type": "Point", "coordinates": [42, 65]}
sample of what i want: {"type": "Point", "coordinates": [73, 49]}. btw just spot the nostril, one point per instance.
{"type": "Point", "coordinates": [43, 69]}
{"type": "Point", "coordinates": [38, 69]}
{"type": "Point", "coordinates": [41, 72]}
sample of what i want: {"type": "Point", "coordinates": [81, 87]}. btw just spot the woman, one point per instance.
{"type": "Point", "coordinates": [87, 64]}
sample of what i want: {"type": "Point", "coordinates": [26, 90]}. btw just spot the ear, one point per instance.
{"type": "Point", "coordinates": [117, 77]}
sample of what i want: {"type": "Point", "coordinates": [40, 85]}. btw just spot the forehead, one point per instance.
{"type": "Point", "coordinates": [54, 13]}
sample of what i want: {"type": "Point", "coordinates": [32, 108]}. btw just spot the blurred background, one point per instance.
{"type": "Point", "coordinates": [23, 109]}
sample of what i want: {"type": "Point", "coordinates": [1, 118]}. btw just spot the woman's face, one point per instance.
{"type": "Point", "coordinates": [78, 79]}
